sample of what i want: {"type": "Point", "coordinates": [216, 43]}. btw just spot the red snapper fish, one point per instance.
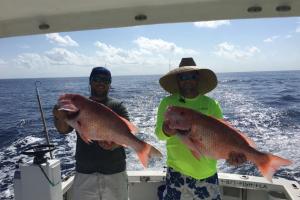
{"type": "Point", "coordinates": [95, 121]}
{"type": "Point", "coordinates": [215, 138]}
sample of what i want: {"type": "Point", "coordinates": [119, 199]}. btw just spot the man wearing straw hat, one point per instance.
{"type": "Point", "coordinates": [188, 177]}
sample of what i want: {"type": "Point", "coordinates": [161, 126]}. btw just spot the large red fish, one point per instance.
{"type": "Point", "coordinates": [95, 121]}
{"type": "Point", "coordinates": [215, 138]}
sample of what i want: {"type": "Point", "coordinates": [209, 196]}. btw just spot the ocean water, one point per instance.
{"type": "Point", "coordinates": [264, 105]}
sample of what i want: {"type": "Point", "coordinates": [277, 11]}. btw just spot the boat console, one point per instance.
{"type": "Point", "coordinates": [39, 179]}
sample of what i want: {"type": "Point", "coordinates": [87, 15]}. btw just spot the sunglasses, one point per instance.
{"type": "Point", "coordinates": [103, 79]}
{"type": "Point", "coordinates": [187, 77]}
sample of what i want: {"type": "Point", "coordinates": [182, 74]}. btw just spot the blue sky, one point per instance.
{"type": "Point", "coordinates": [223, 46]}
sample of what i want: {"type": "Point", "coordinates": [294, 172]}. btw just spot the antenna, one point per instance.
{"type": "Point", "coordinates": [42, 115]}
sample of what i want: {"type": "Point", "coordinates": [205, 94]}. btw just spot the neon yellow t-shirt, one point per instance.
{"type": "Point", "coordinates": [179, 157]}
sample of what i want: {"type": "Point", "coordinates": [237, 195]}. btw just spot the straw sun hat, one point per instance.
{"type": "Point", "coordinates": [208, 79]}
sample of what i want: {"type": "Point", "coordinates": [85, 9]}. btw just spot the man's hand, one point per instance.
{"type": "Point", "coordinates": [108, 145]}
{"type": "Point", "coordinates": [236, 158]}
{"type": "Point", "coordinates": [167, 130]}
{"type": "Point", "coordinates": [59, 116]}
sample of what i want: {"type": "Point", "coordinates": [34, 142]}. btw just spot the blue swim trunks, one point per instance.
{"type": "Point", "coordinates": [179, 187]}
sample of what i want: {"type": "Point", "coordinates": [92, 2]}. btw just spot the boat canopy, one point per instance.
{"type": "Point", "coordinates": [24, 17]}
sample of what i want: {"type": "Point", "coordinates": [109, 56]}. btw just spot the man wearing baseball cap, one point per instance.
{"type": "Point", "coordinates": [100, 165]}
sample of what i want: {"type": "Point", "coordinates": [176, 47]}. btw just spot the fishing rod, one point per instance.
{"type": "Point", "coordinates": [42, 115]}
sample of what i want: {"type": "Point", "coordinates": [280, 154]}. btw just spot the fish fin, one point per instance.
{"type": "Point", "coordinates": [132, 128]}
{"type": "Point", "coordinates": [269, 164]}
{"type": "Point", "coordinates": [85, 139]}
{"type": "Point", "coordinates": [199, 146]}
{"type": "Point", "coordinates": [247, 139]}
{"type": "Point", "coordinates": [223, 121]}
{"type": "Point", "coordinates": [196, 154]}
{"type": "Point", "coordinates": [83, 136]}
{"type": "Point", "coordinates": [147, 152]}
{"type": "Point", "coordinates": [191, 145]}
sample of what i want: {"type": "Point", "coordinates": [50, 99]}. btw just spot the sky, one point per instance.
{"type": "Point", "coordinates": [270, 44]}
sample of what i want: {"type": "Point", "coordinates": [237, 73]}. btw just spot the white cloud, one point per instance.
{"type": "Point", "coordinates": [298, 26]}
{"type": "Point", "coordinates": [2, 62]}
{"type": "Point", "coordinates": [31, 60]}
{"type": "Point", "coordinates": [112, 55]}
{"type": "Point", "coordinates": [61, 56]}
{"type": "Point", "coordinates": [160, 46]}
{"type": "Point", "coordinates": [53, 57]}
{"type": "Point", "coordinates": [232, 52]}
{"type": "Point", "coordinates": [211, 24]}
{"type": "Point", "coordinates": [110, 50]}
{"type": "Point", "coordinates": [55, 38]}
{"type": "Point", "coordinates": [147, 52]}
{"type": "Point", "coordinates": [155, 45]}
{"type": "Point", "coordinates": [288, 36]}
{"type": "Point", "coordinates": [271, 39]}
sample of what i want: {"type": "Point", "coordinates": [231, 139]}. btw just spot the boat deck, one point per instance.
{"type": "Point", "coordinates": [143, 186]}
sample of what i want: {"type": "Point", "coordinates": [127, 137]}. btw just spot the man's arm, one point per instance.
{"type": "Point", "coordinates": [122, 111]}
{"type": "Point", "coordinates": [162, 130]}
{"type": "Point", "coordinates": [61, 126]}
{"type": "Point", "coordinates": [119, 108]}
{"type": "Point", "coordinates": [216, 110]}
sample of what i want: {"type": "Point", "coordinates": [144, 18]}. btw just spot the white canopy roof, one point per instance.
{"type": "Point", "coordinates": [22, 17]}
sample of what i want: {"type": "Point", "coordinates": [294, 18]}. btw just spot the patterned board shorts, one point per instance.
{"type": "Point", "coordinates": [179, 187]}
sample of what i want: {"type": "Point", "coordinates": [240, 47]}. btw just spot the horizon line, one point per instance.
{"type": "Point", "coordinates": [144, 74]}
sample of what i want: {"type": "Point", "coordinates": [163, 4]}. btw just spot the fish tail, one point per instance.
{"type": "Point", "coordinates": [147, 152]}
{"type": "Point", "coordinates": [268, 164]}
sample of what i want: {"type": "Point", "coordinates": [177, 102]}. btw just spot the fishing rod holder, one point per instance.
{"type": "Point", "coordinates": [38, 152]}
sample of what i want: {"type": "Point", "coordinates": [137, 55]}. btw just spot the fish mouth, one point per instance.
{"type": "Point", "coordinates": [184, 131]}
{"type": "Point", "coordinates": [69, 115]}
{"type": "Point", "coordinates": [72, 115]}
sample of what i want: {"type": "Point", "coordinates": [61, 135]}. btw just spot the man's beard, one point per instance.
{"type": "Point", "coordinates": [99, 94]}
{"type": "Point", "coordinates": [187, 92]}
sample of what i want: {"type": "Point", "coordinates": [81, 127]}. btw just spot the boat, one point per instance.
{"type": "Point", "coordinates": [31, 183]}
{"type": "Point", "coordinates": [41, 178]}
{"type": "Point", "coordinates": [39, 17]}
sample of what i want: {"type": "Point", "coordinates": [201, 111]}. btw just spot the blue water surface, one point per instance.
{"type": "Point", "coordinates": [263, 105]}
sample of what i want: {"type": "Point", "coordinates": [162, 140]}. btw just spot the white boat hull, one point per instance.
{"type": "Point", "coordinates": [143, 186]}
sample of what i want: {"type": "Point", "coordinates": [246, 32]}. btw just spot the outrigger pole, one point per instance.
{"type": "Point", "coordinates": [42, 115]}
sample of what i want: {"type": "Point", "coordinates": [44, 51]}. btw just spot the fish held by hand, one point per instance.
{"type": "Point", "coordinates": [95, 121]}
{"type": "Point", "coordinates": [207, 136]}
